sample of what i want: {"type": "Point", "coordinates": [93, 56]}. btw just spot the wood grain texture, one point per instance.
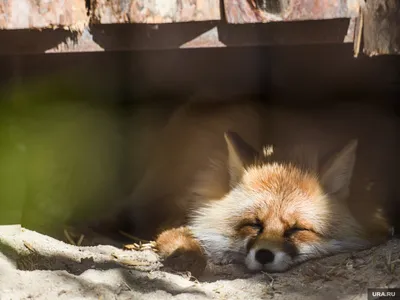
{"type": "Point", "coordinates": [39, 14]}
{"type": "Point", "coordinates": [382, 27]}
{"type": "Point", "coordinates": [154, 11]}
{"type": "Point", "coordinates": [264, 11]}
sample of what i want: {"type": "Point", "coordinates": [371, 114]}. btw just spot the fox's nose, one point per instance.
{"type": "Point", "coordinates": [264, 256]}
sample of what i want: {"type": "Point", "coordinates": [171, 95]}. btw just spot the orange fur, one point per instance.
{"type": "Point", "coordinates": [296, 200]}
{"type": "Point", "coordinates": [182, 251]}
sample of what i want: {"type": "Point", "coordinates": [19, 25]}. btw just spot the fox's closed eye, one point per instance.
{"type": "Point", "coordinates": [256, 225]}
{"type": "Point", "coordinates": [289, 232]}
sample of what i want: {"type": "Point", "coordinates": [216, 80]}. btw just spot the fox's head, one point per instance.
{"type": "Point", "coordinates": [281, 212]}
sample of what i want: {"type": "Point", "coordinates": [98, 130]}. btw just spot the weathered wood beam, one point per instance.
{"type": "Point", "coordinates": [265, 11]}
{"type": "Point", "coordinates": [382, 27]}
{"type": "Point", "coordinates": [154, 11]}
{"type": "Point", "coordinates": [127, 37]}
{"type": "Point", "coordinates": [39, 14]}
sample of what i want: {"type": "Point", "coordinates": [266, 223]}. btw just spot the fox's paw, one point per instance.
{"type": "Point", "coordinates": [181, 252]}
{"type": "Point", "coordinates": [182, 260]}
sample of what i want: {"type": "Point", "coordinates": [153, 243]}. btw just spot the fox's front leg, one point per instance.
{"type": "Point", "coordinates": [181, 251]}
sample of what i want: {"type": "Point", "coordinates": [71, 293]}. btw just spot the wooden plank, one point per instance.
{"type": "Point", "coordinates": [154, 11]}
{"type": "Point", "coordinates": [39, 14]}
{"type": "Point", "coordinates": [264, 11]}
{"type": "Point", "coordinates": [382, 27]}
{"type": "Point", "coordinates": [127, 37]}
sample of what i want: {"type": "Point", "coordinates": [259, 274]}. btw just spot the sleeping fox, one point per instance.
{"type": "Point", "coordinates": [242, 182]}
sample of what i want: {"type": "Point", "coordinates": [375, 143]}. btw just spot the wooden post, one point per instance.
{"type": "Point", "coordinates": [382, 27]}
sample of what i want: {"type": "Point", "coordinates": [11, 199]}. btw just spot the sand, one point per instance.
{"type": "Point", "coordinates": [35, 266]}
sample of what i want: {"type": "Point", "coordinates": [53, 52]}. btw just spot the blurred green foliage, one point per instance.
{"type": "Point", "coordinates": [60, 146]}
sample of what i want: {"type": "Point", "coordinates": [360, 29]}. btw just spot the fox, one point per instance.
{"type": "Point", "coordinates": [241, 182]}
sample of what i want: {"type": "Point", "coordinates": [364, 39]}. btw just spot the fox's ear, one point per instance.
{"type": "Point", "coordinates": [337, 174]}
{"type": "Point", "coordinates": [240, 155]}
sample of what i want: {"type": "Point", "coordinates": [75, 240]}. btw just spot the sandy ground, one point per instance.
{"type": "Point", "coordinates": [35, 266]}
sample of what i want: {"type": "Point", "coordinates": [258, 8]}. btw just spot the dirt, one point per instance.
{"type": "Point", "coordinates": [35, 266]}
